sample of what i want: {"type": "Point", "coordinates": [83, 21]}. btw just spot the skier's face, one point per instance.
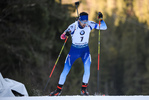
{"type": "Point", "coordinates": [83, 23]}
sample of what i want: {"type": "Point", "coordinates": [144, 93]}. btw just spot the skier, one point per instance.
{"type": "Point", "coordinates": [80, 32]}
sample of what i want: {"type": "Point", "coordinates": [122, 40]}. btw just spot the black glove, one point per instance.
{"type": "Point", "coordinates": [100, 15]}
{"type": "Point", "coordinates": [68, 33]}
{"type": "Point", "coordinates": [77, 18]}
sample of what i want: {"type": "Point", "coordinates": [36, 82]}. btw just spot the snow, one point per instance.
{"type": "Point", "coordinates": [77, 98]}
{"type": "Point", "coordinates": [8, 85]}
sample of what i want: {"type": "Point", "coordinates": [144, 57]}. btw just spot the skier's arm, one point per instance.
{"type": "Point", "coordinates": [67, 32]}
{"type": "Point", "coordinates": [94, 25]}
{"type": "Point", "coordinates": [102, 26]}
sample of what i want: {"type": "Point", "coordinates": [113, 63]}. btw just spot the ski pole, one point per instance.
{"type": "Point", "coordinates": [77, 4]}
{"type": "Point", "coordinates": [98, 57]}
{"type": "Point", "coordinates": [55, 63]}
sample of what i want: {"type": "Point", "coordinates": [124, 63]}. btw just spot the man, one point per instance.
{"type": "Point", "coordinates": [80, 32]}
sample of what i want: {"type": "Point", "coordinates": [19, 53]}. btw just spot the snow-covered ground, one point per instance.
{"type": "Point", "coordinates": [78, 98]}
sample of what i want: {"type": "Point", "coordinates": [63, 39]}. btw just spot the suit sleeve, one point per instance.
{"type": "Point", "coordinates": [94, 25]}
{"type": "Point", "coordinates": [71, 28]}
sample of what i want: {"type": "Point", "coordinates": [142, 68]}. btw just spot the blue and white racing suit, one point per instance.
{"type": "Point", "coordinates": [79, 48]}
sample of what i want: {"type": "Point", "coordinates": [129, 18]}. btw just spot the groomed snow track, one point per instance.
{"type": "Point", "coordinates": [77, 98]}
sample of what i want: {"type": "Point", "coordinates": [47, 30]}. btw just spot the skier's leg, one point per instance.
{"type": "Point", "coordinates": [66, 70]}
{"type": "Point", "coordinates": [71, 57]}
{"type": "Point", "coordinates": [68, 63]}
{"type": "Point", "coordinates": [87, 62]}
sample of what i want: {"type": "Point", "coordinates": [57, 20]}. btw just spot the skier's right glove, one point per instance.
{"type": "Point", "coordinates": [63, 36]}
{"type": "Point", "coordinates": [68, 33]}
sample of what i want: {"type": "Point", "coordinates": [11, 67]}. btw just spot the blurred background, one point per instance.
{"type": "Point", "coordinates": [30, 43]}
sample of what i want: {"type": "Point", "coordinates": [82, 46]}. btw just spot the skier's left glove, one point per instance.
{"type": "Point", "coordinates": [100, 16]}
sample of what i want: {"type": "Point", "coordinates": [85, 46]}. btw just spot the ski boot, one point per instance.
{"type": "Point", "coordinates": [57, 92]}
{"type": "Point", "coordinates": [84, 89]}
